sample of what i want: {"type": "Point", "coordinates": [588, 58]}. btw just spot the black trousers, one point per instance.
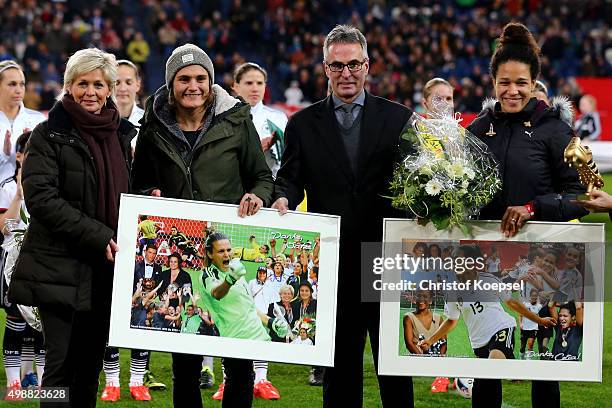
{"type": "Point", "coordinates": [238, 392]}
{"type": "Point", "coordinates": [487, 393]}
{"type": "Point", "coordinates": [239, 379]}
{"type": "Point", "coordinates": [186, 380]}
{"type": "Point", "coordinates": [343, 384]}
{"type": "Point", "coordinates": [75, 344]}
{"type": "Point", "coordinates": [545, 394]}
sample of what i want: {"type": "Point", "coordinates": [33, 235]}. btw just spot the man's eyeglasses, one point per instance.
{"type": "Point", "coordinates": [353, 66]}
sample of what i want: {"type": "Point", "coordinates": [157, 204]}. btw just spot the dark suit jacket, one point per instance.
{"type": "Point", "coordinates": [315, 160]}
{"type": "Point", "coordinates": [139, 273]}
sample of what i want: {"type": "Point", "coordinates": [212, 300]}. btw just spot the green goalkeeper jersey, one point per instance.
{"type": "Point", "coordinates": [235, 314]}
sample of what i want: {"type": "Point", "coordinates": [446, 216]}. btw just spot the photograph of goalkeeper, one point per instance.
{"type": "Point", "coordinates": [230, 302]}
{"type": "Point", "coordinates": [228, 298]}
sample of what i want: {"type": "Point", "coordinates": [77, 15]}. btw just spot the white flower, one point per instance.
{"type": "Point", "coordinates": [462, 192]}
{"type": "Point", "coordinates": [457, 170]}
{"type": "Point", "coordinates": [465, 184]}
{"type": "Point", "coordinates": [433, 187]}
{"type": "Point", "coordinates": [470, 173]}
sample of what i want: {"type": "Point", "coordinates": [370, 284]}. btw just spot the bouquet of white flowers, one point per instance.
{"type": "Point", "coordinates": [448, 175]}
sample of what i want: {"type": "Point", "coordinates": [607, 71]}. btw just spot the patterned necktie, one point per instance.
{"type": "Point", "coordinates": [347, 115]}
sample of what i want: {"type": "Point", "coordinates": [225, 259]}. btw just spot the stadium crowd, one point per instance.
{"type": "Point", "coordinates": [411, 42]}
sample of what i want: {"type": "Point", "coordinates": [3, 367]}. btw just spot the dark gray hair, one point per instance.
{"type": "Point", "coordinates": [345, 34]}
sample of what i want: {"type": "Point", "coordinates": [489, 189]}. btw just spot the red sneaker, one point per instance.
{"type": "Point", "coordinates": [140, 393]}
{"type": "Point", "coordinates": [264, 389]}
{"type": "Point", "coordinates": [110, 394]}
{"type": "Point", "coordinates": [10, 391]}
{"type": "Point", "coordinates": [219, 394]}
{"type": "Point", "coordinates": [440, 384]}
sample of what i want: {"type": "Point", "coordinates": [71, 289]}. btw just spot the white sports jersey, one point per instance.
{"type": "Point", "coordinates": [485, 317]}
{"type": "Point", "coordinates": [493, 265]}
{"type": "Point", "coordinates": [260, 295]}
{"type": "Point", "coordinates": [261, 114]}
{"type": "Point", "coordinates": [273, 285]}
{"type": "Point", "coordinates": [571, 284]}
{"type": "Point", "coordinates": [8, 189]}
{"type": "Point", "coordinates": [135, 116]}
{"type": "Point", "coordinates": [527, 323]}
{"type": "Point", "coordinates": [25, 119]}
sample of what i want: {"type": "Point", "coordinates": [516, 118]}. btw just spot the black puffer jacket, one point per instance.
{"type": "Point", "coordinates": [64, 244]}
{"type": "Point", "coordinates": [529, 146]}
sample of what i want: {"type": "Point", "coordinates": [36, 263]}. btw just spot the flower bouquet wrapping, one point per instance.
{"type": "Point", "coordinates": [308, 322]}
{"type": "Point", "coordinates": [18, 228]}
{"type": "Point", "coordinates": [446, 175]}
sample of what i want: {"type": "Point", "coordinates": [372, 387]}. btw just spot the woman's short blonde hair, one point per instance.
{"type": "Point", "coordinates": [87, 60]}
{"type": "Point", "coordinates": [286, 288]}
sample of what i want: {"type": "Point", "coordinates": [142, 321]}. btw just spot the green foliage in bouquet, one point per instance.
{"type": "Point", "coordinates": [446, 176]}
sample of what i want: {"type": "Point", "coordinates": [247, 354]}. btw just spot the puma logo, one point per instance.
{"type": "Point", "coordinates": [528, 133]}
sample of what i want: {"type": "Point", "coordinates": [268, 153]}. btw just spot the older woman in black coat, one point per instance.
{"type": "Point", "coordinates": [76, 167]}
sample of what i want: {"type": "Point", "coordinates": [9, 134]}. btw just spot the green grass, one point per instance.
{"type": "Point", "coordinates": [292, 380]}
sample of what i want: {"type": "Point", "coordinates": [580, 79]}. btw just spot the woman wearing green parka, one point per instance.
{"type": "Point", "coordinates": [197, 142]}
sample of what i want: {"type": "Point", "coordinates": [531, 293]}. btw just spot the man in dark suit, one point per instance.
{"type": "Point", "coordinates": [148, 269]}
{"type": "Point", "coordinates": [342, 150]}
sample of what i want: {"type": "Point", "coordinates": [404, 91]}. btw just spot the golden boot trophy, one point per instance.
{"type": "Point", "coordinates": [581, 158]}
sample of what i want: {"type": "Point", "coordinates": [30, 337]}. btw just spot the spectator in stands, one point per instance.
{"type": "Point", "coordinates": [588, 126]}
{"type": "Point", "coordinates": [16, 118]}
{"type": "Point", "coordinates": [128, 87]}
{"type": "Point", "coordinates": [74, 203]}
{"type": "Point", "coordinates": [186, 112]}
{"type": "Point", "coordinates": [531, 187]}
{"type": "Point", "coordinates": [32, 98]}
{"type": "Point", "coordinates": [168, 37]}
{"type": "Point", "coordinates": [138, 52]}
{"type": "Point", "coordinates": [250, 84]}
{"type": "Point", "coordinates": [293, 94]}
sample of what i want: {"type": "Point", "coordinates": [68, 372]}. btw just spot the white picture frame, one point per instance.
{"type": "Point", "coordinates": [122, 334]}
{"type": "Point", "coordinates": [589, 368]}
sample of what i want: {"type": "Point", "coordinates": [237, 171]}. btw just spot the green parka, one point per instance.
{"type": "Point", "coordinates": [226, 162]}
